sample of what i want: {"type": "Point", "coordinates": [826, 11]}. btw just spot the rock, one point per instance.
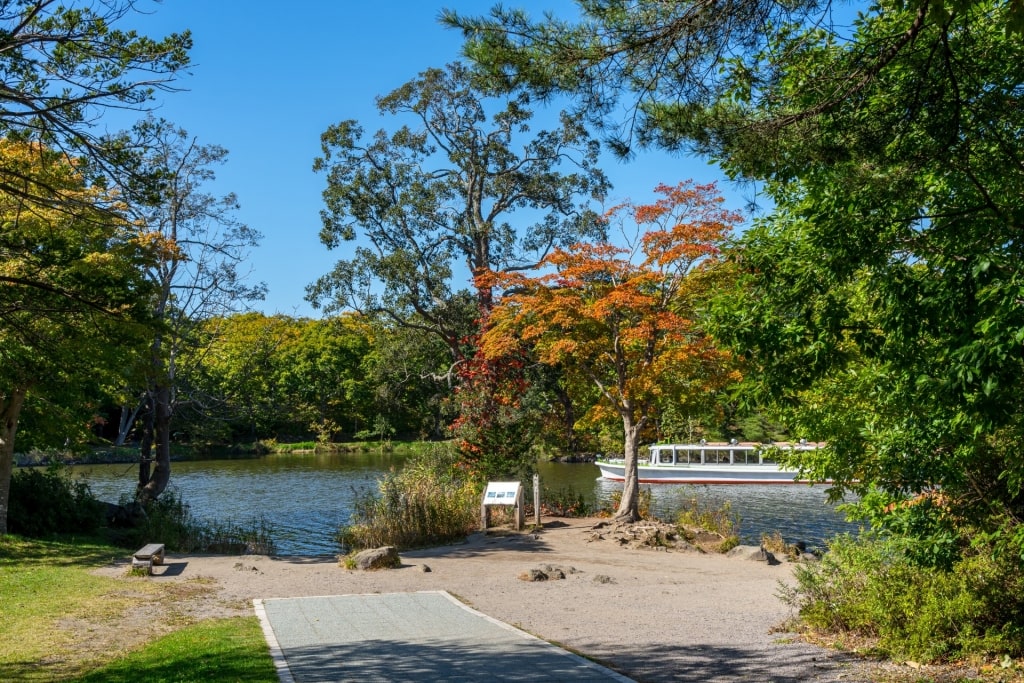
{"type": "Point", "coordinates": [743, 551]}
{"type": "Point", "coordinates": [602, 578]}
{"type": "Point", "coordinates": [425, 568]}
{"type": "Point", "coordinates": [377, 558]}
{"type": "Point", "coordinates": [533, 575]}
{"type": "Point", "coordinates": [809, 557]}
{"type": "Point", "coordinates": [762, 555]}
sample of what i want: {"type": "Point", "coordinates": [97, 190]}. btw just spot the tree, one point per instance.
{"type": "Point", "coordinates": [439, 194]}
{"type": "Point", "coordinates": [324, 376]}
{"type": "Point", "coordinates": [70, 286]}
{"type": "Point", "coordinates": [628, 318]}
{"type": "Point", "coordinates": [63, 67]}
{"type": "Point", "coordinates": [679, 75]}
{"type": "Point", "coordinates": [197, 277]}
{"type": "Point", "coordinates": [912, 226]}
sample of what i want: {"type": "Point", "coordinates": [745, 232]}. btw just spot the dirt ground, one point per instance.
{"type": "Point", "coordinates": [653, 614]}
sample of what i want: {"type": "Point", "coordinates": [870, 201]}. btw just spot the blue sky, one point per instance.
{"type": "Point", "coordinates": [268, 78]}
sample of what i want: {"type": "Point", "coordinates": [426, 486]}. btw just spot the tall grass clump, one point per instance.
{"type": "Point", "coordinates": [431, 500]}
{"type": "Point", "coordinates": [169, 520]}
{"type": "Point", "coordinates": [721, 520]}
{"type": "Point", "coordinates": [565, 502]}
{"type": "Point", "coordinates": [871, 587]}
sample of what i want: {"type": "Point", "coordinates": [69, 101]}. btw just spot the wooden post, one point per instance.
{"type": "Point", "coordinates": [519, 509]}
{"type": "Point", "coordinates": [536, 499]}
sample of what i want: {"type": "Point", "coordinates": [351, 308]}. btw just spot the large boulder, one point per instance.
{"type": "Point", "coordinates": [377, 558]}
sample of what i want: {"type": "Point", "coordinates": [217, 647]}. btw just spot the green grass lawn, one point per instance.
{"type": "Point", "coordinates": [60, 622]}
{"type": "Point", "coordinates": [212, 650]}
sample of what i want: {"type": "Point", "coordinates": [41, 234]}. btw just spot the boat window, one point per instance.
{"type": "Point", "coordinates": [720, 456]}
{"type": "Point", "coordinates": [665, 456]}
{"type": "Point", "coordinates": [692, 457]}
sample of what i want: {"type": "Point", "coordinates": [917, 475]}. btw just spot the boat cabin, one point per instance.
{"type": "Point", "coordinates": [731, 453]}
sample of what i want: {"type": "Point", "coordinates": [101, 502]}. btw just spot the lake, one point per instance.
{"type": "Point", "coordinates": [305, 498]}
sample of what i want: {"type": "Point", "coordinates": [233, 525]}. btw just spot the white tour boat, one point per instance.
{"type": "Point", "coordinates": [710, 463]}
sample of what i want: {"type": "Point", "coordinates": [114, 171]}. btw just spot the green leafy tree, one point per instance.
{"type": "Point", "coordinates": [323, 375]}
{"type": "Point", "coordinates": [408, 370]}
{"type": "Point", "coordinates": [71, 289]}
{"type": "Point", "coordinates": [675, 74]}
{"type": "Point", "coordinates": [437, 197]}
{"type": "Point", "coordinates": [235, 384]}
{"type": "Point", "coordinates": [912, 307]}
{"type": "Point", "coordinates": [64, 66]}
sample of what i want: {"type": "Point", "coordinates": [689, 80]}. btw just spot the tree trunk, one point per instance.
{"type": "Point", "coordinates": [162, 441]}
{"type": "Point", "coordinates": [126, 422]}
{"type": "Point", "coordinates": [10, 410]}
{"type": "Point", "coordinates": [629, 505]}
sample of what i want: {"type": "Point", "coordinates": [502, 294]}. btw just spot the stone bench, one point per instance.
{"type": "Point", "coordinates": [147, 556]}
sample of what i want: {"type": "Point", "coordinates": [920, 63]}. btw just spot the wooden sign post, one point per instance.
{"type": "Point", "coordinates": [502, 493]}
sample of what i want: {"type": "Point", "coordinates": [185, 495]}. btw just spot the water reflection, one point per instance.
{"type": "Point", "coordinates": [307, 497]}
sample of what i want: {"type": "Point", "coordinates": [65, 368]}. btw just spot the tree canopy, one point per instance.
{"type": "Point", "coordinates": [434, 200]}
{"type": "Point", "coordinates": [64, 66]}
{"type": "Point", "coordinates": [71, 288]}
{"type": "Point", "coordinates": [627, 319]}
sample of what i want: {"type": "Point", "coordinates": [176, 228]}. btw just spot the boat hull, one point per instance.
{"type": "Point", "coordinates": [768, 473]}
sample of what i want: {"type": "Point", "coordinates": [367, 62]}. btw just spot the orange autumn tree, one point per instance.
{"type": "Point", "coordinates": [627, 318]}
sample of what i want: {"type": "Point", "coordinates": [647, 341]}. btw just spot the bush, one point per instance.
{"type": "Point", "coordinates": [48, 501]}
{"type": "Point", "coordinates": [721, 520]}
{"type": "Point", "coordinates": [871, 587]}
{"type": "Point", "coordinates": [432, 500]}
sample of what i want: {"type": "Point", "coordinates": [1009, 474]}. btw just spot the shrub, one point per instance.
{"type": "Point", "coordinates": [716, 520]}
{"type": "Point", "coordinates": [872, 587]}
{"type": "Point", "coordinates": [431, 500]}
{"type": "Point", "coordinates": [48, 501]}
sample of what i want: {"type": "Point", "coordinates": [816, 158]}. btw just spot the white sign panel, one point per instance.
{"type": "Point", "coordinates": [501, 492]}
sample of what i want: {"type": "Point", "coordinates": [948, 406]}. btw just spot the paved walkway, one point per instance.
{"type": "Point", "coordinates": [425, 636]}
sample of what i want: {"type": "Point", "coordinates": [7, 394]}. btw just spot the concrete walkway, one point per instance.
{"type": "Point", "coordinates": [425, 636]}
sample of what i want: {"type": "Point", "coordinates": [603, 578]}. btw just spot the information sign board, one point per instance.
{"type": "Point", "coordinates": [502, 493]}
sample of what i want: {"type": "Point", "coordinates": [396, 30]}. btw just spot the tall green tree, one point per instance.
{"type": "Point", "coordinates": [909, 205]}
{"type": "Point", "coordinates": [458, 188]}
{"type": "Point", "coordinates": [323, 373]}
{"type": "Point", "coordinates": [71, 287]}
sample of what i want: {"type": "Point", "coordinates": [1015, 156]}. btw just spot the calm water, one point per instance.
{"type": "Point", "coordinates": [305, 498]}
